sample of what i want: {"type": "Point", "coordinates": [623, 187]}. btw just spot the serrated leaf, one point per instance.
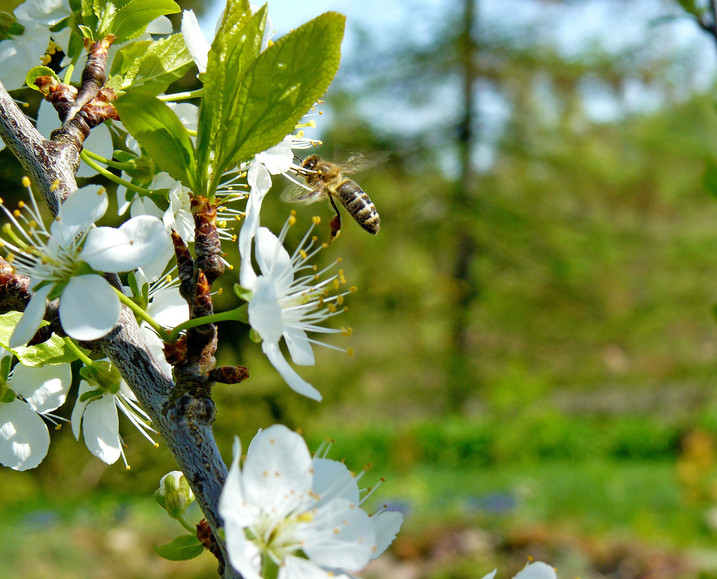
{"type": "Point", "coordinates": [182, 548]}
{"type": "Point", "coordinates": [132, 18]}
{"type": "Point", "coordinates": [151, 66]}
{"type": "Point", "coordinates": [50, 352]}
{"type": "Point", "coordinates": [53, 351]}
{"type": "Point", "coordinates": [160, 133]}
{"type": "Point", "coordinates": [235, 46]}
{"type": "Point", "coordinates": [284, 82]}
{"type": "Point", "coordinates": [36, 72]}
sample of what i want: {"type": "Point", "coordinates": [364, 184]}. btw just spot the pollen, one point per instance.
{"type": "Point", "coordinates": [55, 185]}
{"type": "Point", "coordinates": [46, 58]}
{"type": "Point", "coordinates": [26, 181]}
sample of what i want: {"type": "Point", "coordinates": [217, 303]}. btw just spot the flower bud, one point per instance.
{"type": "Point", "coordinates": [174, 494]}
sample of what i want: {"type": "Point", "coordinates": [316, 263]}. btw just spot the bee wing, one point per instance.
{"type": "Point", "coordinates": [298, 193]}
{"type": "Point", "coordinates": [360, 162]}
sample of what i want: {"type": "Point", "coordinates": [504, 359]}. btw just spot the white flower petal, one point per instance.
{"type": "Point", "coordinates": [194, 38]}
{"type": "Point", "coordinates": [277, 470]}
{"type": "Point", "coordinates": [168, 307]}
{"type": "Point", "coordinates": [299, 346]}
{"type": "Point", "coordinates": [160, 25]}
{"type": "Point", "coordinates": [44, 388]}
{"type": "Point", "coordinates": [386, 525]}
{"type": "Point", "coordinates": [31, 318]}
{"type": "Point", "coordinates": [295, 382]}
{"type": "Point", "coordinates": [79, 409]}
{"type": "Point", "coordinates": [279, 158]}
{"type": "Point", "coordinates": [24, 439]}
{"type": "Point", "coordinates": [330, 475]}
{"type": "Point", "coordinates": [537, 570]}
{"type": "Point", "coordinates": [135, 243]}
{"type": "Point", "coordinates": [45, 12]}
{"type": "Point", "coordinates": [490, 575]}
{"type": "Point", "coordinates": [299, 568]}
{"type": "Point", "coordinates": [265, 312]}
{"type": "Point", "coordinates": [89, 307]}
{"type": "Point", "coordinates": [78, 213]}
{"type": "Point", "coordinates": [260, 182]}
{"type": "Point", "coordinates": [100, 425]}
{"type": "Point", "coordinates": [274, 261]}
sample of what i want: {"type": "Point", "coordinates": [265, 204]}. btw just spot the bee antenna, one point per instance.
{"type": "Point", "coordinates": [298, 159]}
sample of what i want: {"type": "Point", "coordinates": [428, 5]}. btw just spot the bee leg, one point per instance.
{"type": "Point", "coordinates": [335, 221]}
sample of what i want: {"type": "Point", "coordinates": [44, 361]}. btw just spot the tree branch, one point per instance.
{"type": "Point", "coordinates": [186, 427]}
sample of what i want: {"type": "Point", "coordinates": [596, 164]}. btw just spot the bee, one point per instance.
{"type": "Point", "coordinates": [325, 180]}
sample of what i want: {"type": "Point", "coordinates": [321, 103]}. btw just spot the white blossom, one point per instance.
{"type": "Point", "coordinates": [63, 261]}
{"type": "Point", "coordinates": [289, 299]}
{"type": "Point", "coordinates": [284, 508]}
{"type": "Point", "coordinates": [536, 570]}
{"type": "Point", "coordinates": [96, 415]}
{"type": "Point", "coordinates": [24, 438]}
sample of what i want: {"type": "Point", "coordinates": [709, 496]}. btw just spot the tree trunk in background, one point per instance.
{"type": "Point", "coordinates": [462, 377]}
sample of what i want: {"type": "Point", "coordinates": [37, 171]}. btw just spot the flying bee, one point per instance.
{"type": "Point", "coordinates": [325, 180]}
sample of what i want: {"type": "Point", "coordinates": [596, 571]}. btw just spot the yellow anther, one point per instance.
{"type": "Point", "coordinates": [26, 181]}
{"type": "Point", "coordinates": [45, 59]}
{"type": "Point", "coordinates": [316, 219]}
{"type": "Point", "coordinates": [337, 285]}
{"type": "Point", "coordinates": [350, 352]}
{"type": "Point", "coordinates": [331, 308]}
{"type": "Point", "coordinates": [168, 278]}
{"type": "Point", "coordinates": [17, 213]}
{"type": "Point", "coordinates": [292, 220]}
{"type": "Point", "coordinates": [347, 331]}
{"type": "Point", "coordinates": [21, 205]}
{"type": "Point", "coordinates": [220, 291]}
{"type": "Point", "coordinates": [10, 258]}
{"type": "Point", "coordinates": [128, 467]}
{"type": "Point", "coordinates": [302, 253]}
{"type": "Point", "coordinates": [353, 289]}
{"type": "Point", "coordinates": [55, 185]}
{"type": "Point", "coordinates": [340, 300]}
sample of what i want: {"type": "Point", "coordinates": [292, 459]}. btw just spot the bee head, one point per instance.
{"type": "Point", "coordinates": [310, 162]}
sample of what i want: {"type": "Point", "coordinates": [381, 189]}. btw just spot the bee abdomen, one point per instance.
{"type": "Point", "coordinates": [359, 205]}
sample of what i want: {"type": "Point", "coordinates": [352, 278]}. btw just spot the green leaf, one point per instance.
{"type": "Point", "coordinates": [52, 351]}
{"type": "Point", "coordinates": [284, 82]}
{"type": "Point", "coordinates": [132, 19]}
{"type": "Point", "coordinates": [150, 66]}
{"type": "Point", "coordinates": [235, 46]}
{"type": "Point", "coordinates": [183, 548]}
{"type": "Point", "coordinates": [160, 133]}
{"type": "Point", "coordinates": [279, 86]}
{"type": "Point", "coordinates": [38, 71]}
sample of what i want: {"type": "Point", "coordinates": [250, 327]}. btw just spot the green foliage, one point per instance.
{"type": "Point", "coordinates": [257, 98]}
{"type": "Point", "coordinates": [134, 16]}
{"type": "Point", "coordinates": [160, 133]}
{"type": "Point", "coordinates": [52, 351]}
{"type": "Point", "coordinates": [150, 66]}
{"type": "Point", "coordinates": [36, 72]}
{"type": "Point", "coordinates": [182, 548]}
{"type": "Point", "coordinates": [126, 19]}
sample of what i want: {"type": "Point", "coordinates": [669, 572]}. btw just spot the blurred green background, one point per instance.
{"type": "Point", "coordinates": [535, 346]}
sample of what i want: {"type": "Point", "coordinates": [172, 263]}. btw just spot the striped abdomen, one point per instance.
{"type": "Point", "coordinates": [359, 205]}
